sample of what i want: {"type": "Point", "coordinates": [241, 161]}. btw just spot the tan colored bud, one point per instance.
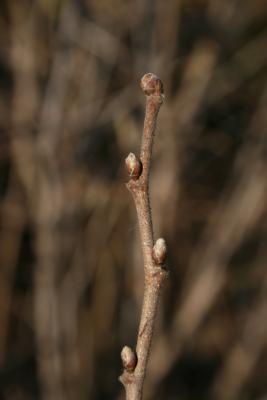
{"type": "Point", "coordinates": [152, 85]}
{"type": "Point", "coordinates": [133, 166]}
{"type": "Point", "coordinates": [160, 251]}
{"type": "Point", "coordinates": [129, 359]}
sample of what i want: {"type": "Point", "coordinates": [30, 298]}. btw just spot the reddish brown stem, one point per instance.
{"type": "Point", "coordinates": [155, 274]}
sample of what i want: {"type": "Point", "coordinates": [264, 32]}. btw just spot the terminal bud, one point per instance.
{"type": "Point", "coordinates": [151, 85]}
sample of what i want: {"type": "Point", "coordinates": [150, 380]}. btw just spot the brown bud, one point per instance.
{"type": "Point", "coordinates": [160, 251]}
{"type": "Point", "coordinates": [152, 85]}
{"type": "Point", "coordinates": [133, 166]}
{"type": "Point", "coordinates": [129, 359]}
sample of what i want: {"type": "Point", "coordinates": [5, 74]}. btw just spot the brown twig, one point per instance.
{"type": "Point", "coordinates": [135, 363]}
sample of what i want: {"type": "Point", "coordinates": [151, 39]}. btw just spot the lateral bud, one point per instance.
{"type": "Point", "coordinates": [129, 359]}
{"type": "Point", "coordinates": [133, 166]}
{"type": "Point", "coordinates": [160, 251]}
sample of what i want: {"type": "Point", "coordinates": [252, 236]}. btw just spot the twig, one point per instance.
{"type": "Point", "coordinates": [135, 363]}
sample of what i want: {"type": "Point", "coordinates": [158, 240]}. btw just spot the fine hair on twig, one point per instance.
{"type": "Point", "coordinates": [154, 253]}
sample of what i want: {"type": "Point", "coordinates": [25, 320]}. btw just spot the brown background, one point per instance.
{"type": "Point", "coordinates": [71, 278]}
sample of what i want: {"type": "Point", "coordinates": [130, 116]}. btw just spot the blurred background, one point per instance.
{"type": "Point", "coordinates": [71, 279]}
